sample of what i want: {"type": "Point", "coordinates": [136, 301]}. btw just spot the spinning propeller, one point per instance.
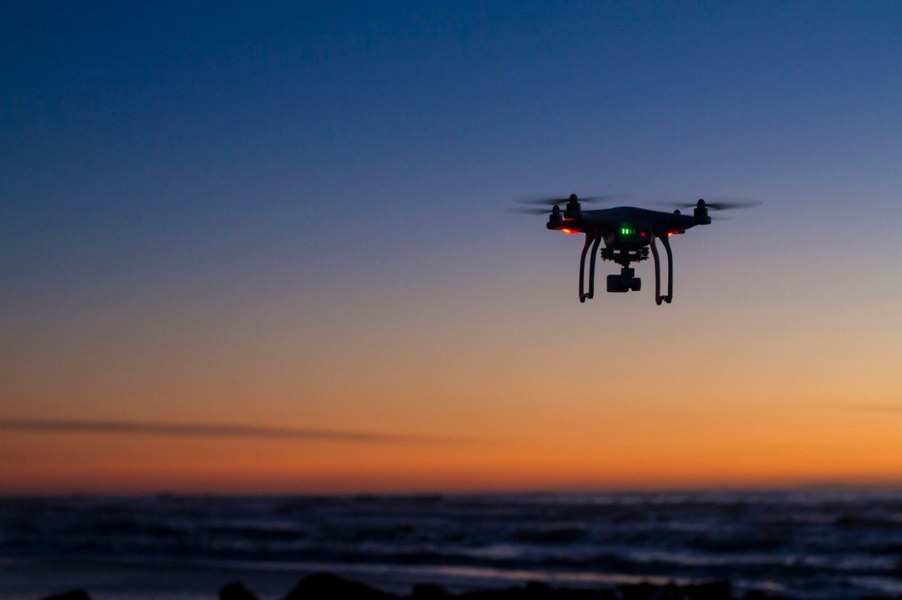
{"type": "Point", "coordinates": [716, 205]}
{"type": "Point", "coordinates": [701, 207]}
{"type": "Point", "coordinates": [572, 203]}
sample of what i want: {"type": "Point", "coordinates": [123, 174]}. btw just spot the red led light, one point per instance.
{"type": "Point", "coordinates": [570, 231]}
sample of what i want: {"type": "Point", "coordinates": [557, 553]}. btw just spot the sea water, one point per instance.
{"type": "Point", "coordinates": [808, 544]}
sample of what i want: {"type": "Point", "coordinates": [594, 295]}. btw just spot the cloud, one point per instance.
{"type": "Point", "coordinates": [203, 430]}
{"type": "Point", "coordinates": [885, 408]}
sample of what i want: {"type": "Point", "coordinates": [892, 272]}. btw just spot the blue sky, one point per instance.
{"type": "Point", "coordinates": [247, 183]}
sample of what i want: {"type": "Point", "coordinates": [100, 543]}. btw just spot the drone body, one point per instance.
{"type": "Point", "coordinates": [628, 234]}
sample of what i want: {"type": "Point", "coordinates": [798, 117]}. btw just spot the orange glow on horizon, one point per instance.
{"type": "Point", "coordinates": [549, 450]}
{"type": "Point", "coordinates": [477, 399]}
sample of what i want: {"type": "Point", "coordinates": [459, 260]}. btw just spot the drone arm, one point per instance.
{"type": "Point", "coordinates": [590, 236]}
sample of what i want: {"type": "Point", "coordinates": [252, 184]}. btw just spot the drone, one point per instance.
{"type": "Point", "coordinates": [628, 234]}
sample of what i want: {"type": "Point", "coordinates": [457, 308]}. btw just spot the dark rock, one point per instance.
{"type": "Point", "coordinates": [670, 592]}
{"type": "Point", "coordinates": [497, 594]}
{"type": "Point", "coordinates": [540, 591]}
{"type": "Point", "coordinates": [70, 595]}
{"type": "Point", "coordinates": [235, 591]}
{"type": "Point", "coordinates": [715, 590]}
{"type": "Point", "coordinates": [536, 590]}
{"type": "Point", "coordinates": [429, 591]}
{"type": "Point", "coordinates": [638, 591]}
{"type": "Point", "coordinates": [761, 595]}
{"type": "Point", "coordinates": [328, 586]}
{"type": "Point", "coordinates": [698, 591]}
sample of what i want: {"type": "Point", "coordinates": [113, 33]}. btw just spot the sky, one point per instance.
{"type": "Point", "coordinates": [265, 247]}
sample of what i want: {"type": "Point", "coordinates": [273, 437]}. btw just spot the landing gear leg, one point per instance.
{"type": "Point", "coordinates": [590, 237]}
{"type": "Point", "coordinates": [666, 242]}
{"type": "Point", "coordinates": [654, 252]}
{"type": "Point", "coordinates": [592, 266]}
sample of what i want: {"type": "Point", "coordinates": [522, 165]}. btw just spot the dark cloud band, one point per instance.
{"type": "Point", "coordinates": [895, 408]}
{"type": "Point", "coordinates": [198, 430]}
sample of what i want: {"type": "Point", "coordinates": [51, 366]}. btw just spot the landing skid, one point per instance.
{"type": "Point", "coordinates": [665, 241]}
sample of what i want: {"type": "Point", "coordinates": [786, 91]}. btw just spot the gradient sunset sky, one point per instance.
{"type": "Point", "coordinates": [255, 248]}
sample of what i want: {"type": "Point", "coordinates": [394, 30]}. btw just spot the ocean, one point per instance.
{"type": "Point", "coordinates": [798, 544]}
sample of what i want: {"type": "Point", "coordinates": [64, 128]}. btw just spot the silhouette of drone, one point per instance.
{"type": "Point", "coordinates": [628, 233]}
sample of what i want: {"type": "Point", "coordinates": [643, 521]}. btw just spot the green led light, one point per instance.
{"type": "Point", "coordinates": [626, 231]}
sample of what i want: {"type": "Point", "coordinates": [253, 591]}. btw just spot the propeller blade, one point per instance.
{"type": "Point", "coordinates": [715, 205]}
{"type": "Point", "coordinates": [522, 210]}
{"type": "Point", "coordinates": [551, 201]}
{"type": "Point", "coordinates": [731, 205]}
{"type": "Point", "coordinates": [602, 198]}
{"type": "Point", "coordinates": [543, 201]}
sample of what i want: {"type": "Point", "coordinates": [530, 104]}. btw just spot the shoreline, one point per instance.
{"type": "Point", "coordinates": [199, 579]}
{"type": "Point", "coordinates": [81, 580]}
{"type": "Point", "coordinates": [29, 579]}
{"type": "Point", "coordinates": [325, 585]}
